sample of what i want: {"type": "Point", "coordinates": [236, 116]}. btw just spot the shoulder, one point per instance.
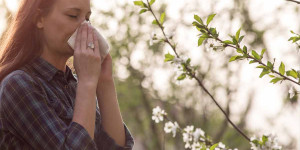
{"type": "Point", "coordinates": [17, 80]}
{"type": "Point", "coordinates": [17, 76]}
{"type": "Point", "coordinates": [18, 87]}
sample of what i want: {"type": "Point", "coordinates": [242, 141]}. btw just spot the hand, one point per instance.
{"type": "Point", "coordinates": [86, 60]}
{"type": "Point", "coordinates": [106, 70]}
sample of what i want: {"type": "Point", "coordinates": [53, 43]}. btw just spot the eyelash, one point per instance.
{"type": "Point", "coordinates": [72, 16]}
{"type": "Point", "coordinates": [75, 17]}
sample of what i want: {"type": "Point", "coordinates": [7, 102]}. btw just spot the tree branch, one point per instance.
{"type": "Point", "coordinates": [297, 2]}
{"type": "Point", "coordinates": [189, 70]}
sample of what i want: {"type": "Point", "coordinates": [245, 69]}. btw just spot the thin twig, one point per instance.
{"type": "Point", "coordinates": [259, 61]}
{"type": "Point", "coordinates": [194, 76]}
{"type": "Point", "coordinates": [297, 2]}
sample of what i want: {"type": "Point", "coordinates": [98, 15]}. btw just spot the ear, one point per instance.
{"type": "Point", "coordinates": [39, 19]}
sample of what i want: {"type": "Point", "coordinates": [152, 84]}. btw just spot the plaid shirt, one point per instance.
{"type": "Point", "coordinates": [35, 117]}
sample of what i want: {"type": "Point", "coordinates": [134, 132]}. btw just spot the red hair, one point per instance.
{"type": "Point", "coordinates": [21, 42]}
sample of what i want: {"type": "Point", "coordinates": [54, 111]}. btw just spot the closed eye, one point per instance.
{"type": "Point", "coordinates": [72, 16]}
{"type": "Point", "coordinates": [87, 19]}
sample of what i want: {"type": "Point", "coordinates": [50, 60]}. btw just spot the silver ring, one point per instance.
{"type": "Point", "coordinates": [91, 45]}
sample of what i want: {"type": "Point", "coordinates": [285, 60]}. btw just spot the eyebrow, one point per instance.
{"type": "Point", "coordinates": [79, 10]}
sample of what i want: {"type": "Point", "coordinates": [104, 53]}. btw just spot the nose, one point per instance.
{"type": "Point", "coordinates": [81, 22]}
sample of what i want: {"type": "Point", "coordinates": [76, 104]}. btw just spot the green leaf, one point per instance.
{"type": "Point", "coordinates": [234, 41]}
{"type": "Point", "coordinates": [182, 76]}
{"type": "Point", "coordinates": [262, 52]}
{"type": "Point", "coordinates": [205, 35]}
{"type": "Point", "coordinates": [263, 67]}
{"type": "Point", "coordinates": [151, 2]}
{"type": "Point", "coordinates": [143, 10]}
{"type": "Point", "coordinates": [298, 75]}
{"type": "Point", "coordinates": [275, 80]}
{"type": "Point", "coordinates": [227, 42]}
{"type": "Point", "coordinates": [255, 55]}
{"type": "Point", "coordinates": [214, 146]}
{"type": "Point", "coordinates": [210, 18]}
{"type": "Point", "coordinates": [203, 31]}
{"type": "Point", "coordinates": [256, 142]}
{"type": "Point", "coordinates": [188, 61]}
{"type": "Point", "coordinates": [198, 25]}
{"type": "Point", "coordinates": [264, 139]}
{"type": "Point", "coordinates": [162, 18]}
{"type": "Point", "coordinates": [213, 31]}
{"type": "Point", "coordinates": [233, 58]}
{"type": "Point", "coordinates": [270, 65]}
{"type": "Point", "coordinates": [271, 76]}
{"type": "Point", "coordinates": [239, 50]}
{"type": "Point", "coordinates": [241, 38]}
{"type": "Point", "coordinates": [169, 57]}
{"type": "Point", "coordinates": [183, 67]}
{"type": "Point", "coordinates": [293, 32]}
{"type": "Point", "coordinates": [140, 3]}
{"type": "Point", "coordinates": [200, 41]}
{"type": "Point", "coordinates": [282, 69]}
{"type": "Point", "coordinates": [252, 61]}
{"type": "Point", "coordinates": [237, 34]}
{"type": "Point", "coordinates": [245, 49]}
{"type": "Point", "coordinates": [264, 72]}
{"type": "Point", "coordinates": [292, 73]}
{"type": "Point", "coordinates": [155, 22]}
{"type": "Point", "coordinates": [294, 39]}
{"type": "Point", "coordinates": [197, 18]}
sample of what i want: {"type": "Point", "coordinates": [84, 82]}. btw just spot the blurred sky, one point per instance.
{"type": "Point", "coordinates": [269, 98]}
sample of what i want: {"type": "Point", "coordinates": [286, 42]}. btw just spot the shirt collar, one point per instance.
{"type": "Point", "coordinates": [48, 71]}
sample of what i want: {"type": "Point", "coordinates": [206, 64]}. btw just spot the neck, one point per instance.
{"type": "Point", "coordinates": [58, 61]}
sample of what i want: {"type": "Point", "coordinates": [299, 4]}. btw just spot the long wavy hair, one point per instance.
{"type": "Point", "coordinates": [21, 42]}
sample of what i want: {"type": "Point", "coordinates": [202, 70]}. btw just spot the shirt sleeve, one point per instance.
{"type": "Point", "coordinates": [105, 142]}
{"type": "Point", "coordinates": [27, 111]}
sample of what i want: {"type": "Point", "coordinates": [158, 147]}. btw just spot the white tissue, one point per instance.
{"type": "Point", "coordinates": [103, 44]}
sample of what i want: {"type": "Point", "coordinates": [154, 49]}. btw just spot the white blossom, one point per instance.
{"type": "Point", "coordinates": [209, 44]}
{"type": "Point", "coordinates": [177, 61]}
{"type": "Point", "coordinates": [221, 145]}
{"type": "Point", "coordinates": [270, 144]}
{"type": "Point", "coordinates": [198, 132]}
{"type": "Point", "coordinates": [189, 129]}
{"type": "Point", "coordinates": [212, 45]}
{"type": "Point", "coordinates": [171, 127]}
{"type": "Point", "coordinates": [158, 114]}
{"type": "Point", "coordinates": [178, 67]}
{"type": "Point", "coordinates": [170, 36]}
{"type": "Point", "coordinates": [152, 38]}
{"type": "Point", "coordinates": [187, 135]}
{"type": "Point", "coordinates": [196, 146]}
{"type": "Point", "coordinates": [292, 93]}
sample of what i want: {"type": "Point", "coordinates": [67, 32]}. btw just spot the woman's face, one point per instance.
{"type": "Point", "coordinates": [60, 23]}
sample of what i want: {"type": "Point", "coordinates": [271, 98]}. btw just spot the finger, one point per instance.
{"type": "Point", "coordinates": [78, 40]}
{"type": "Point", "coordinates": [97, 50]}
{"type": "Point", "coordinates": [84, 33]}
{"type": "Point", "coordinates": [90, 36]}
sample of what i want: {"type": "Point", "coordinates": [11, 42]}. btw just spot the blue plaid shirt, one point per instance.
{"type": "Point", "coordinates": [35, 117]}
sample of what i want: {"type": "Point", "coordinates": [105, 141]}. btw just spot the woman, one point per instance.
{"type": "Point", "coordinates": [42, 105]}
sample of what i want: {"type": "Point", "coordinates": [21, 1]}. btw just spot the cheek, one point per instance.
{"type": "Point", "coordinates": [59, 30]}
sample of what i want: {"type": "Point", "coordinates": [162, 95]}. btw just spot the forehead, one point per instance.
{"type": "Point", "coordinates": [83, 5]}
